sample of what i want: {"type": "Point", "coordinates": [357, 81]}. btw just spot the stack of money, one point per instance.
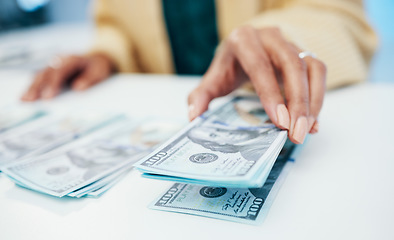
{"type": "Point", "coordinates": [234, 146]}
{"type": "Point", "coordinates": [228, 163]}
{"type": "Point", "coordinates": [46, 133]}
{"type": "Point", "coordinates": [243, 205]}
{"type": "Point", "coordinates": [90, 165]}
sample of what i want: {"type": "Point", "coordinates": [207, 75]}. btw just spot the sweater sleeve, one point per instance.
{"type": "Point", "coordinates": [335, 30]}
{"type": "Point", "coordinates": [111, 39]}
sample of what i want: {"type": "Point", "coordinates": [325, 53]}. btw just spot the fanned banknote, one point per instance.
{"type": "Point", "coordinates": [233, 146]}
{"type": "Point", "coordinates": [94, 193]}
{"type": "Point", "coordinates": [148, 134]}
{"type": "Point", "coordinates": [47, 133]}
{"type": "Point", "coordinates": [244, 205]}
{"type": "Point", "coordinates": [89, 166]}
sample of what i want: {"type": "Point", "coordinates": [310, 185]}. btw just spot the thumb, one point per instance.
{"type": "Point", "coordinates": [198, 101]}
{"type": "Point", "coordinates": [218, 81]}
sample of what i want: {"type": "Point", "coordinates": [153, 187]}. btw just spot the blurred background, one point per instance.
{"type": "Point", "coordinates": [32, 31]}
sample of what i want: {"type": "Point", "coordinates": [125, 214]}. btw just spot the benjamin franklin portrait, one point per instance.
{"type": "Point", "coordinates": [100, 156]}
{"type": "Point", "coordinates": [250, 143]}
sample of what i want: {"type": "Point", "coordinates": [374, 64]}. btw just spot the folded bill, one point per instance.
{"type": "Point", "coordinates": [233, 146]}
{"type": "Point", "coordinates": [243, 205]}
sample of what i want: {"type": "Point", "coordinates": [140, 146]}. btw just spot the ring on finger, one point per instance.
{"type": "Point", "coordinates": [305, 54]}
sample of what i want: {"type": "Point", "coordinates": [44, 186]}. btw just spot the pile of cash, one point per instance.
{"type": "Point", "coordinates": [78, 154]}
{"type": "Point", "coordinates": [47, 133]}
{"type": "Point", "coordinates": [243, 205]}
{"type": "Point", "coordinates": [226, 164]}
{"type": "Point", "coordinates": [234, 146]}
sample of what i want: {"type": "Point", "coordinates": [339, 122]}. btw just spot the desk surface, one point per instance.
{"type": "Point", "coordinates": [341, 186]}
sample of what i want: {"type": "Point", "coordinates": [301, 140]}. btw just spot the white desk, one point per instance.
{"type": "Point", "coordinates": [341, 187]}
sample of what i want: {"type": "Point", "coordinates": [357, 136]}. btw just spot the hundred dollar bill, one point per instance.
{"type": "Point", "coordinates": [83, 165]}
{"type": "Point", "coordinates": [14, 116]}
{"type": "Point", "coordinates": [97, 192]}
{"type": "Point", "coordinates": [47, 133]}
{"type": "Point", "coordinates": [244, 205]}
{"type": "Point", "coordinates": [100, 183]}
{"type": "Point", "coordinates": [147, 135]}
{"type": "Point", "coordinates": [233, 145]}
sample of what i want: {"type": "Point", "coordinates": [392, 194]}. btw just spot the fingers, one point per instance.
{"type": "Point", "coordinates": [317, 87]}
{"type": "Point", "coordinates": [34, 91]}
{"type": "Point", "coordinates": [198, 102]}
{"type": "Point", "coordinates": [295, 81]}
{"type": "Point", "coordinates": [218, 81]}
{"type": "Point", "coordinates": [263, 55]}
{"type": "Point", "coordinates": [52, 84]}
{"type": "Point", "coordinates": [95, 71]}
{"type": "Point", "coordinates": [256, 63]}
{"type": "Point", "coordinates": [48, 83]}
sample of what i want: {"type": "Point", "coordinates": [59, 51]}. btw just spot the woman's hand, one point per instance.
{"type": "Point", "coordinates": [270, 62]}
{"type": "Point", "coordinates": [81, 72]}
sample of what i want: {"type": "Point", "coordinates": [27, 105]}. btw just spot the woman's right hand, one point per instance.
{"type": "Point", "coordinates": [81, 72]}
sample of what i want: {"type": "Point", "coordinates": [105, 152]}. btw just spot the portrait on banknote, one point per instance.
{"type": "Point", "coordinates": [100, 156]}
{"type": "Point", "coordinates": [252, 144]}
{"type": "Point", "coordinates": [20, 145]}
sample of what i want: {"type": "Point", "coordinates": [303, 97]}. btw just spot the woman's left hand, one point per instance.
{"type": "Point", "coordinates": [270, 62]}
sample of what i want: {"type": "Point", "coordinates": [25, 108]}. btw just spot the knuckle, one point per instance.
{"type": "Point", "coordinates": [302, 101]}
{"type": "Point", "coordinates": [273, 30]}
{"type": "Point", "coordinates": [271, 33]}
{"type": "Point", "coordinates": [240, 34]}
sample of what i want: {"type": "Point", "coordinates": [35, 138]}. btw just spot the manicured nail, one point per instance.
{"type": "Point", "coordinates": [311, 121]}
{"type": "Point", "coordinates": [300, 129]}
{"type": "Point", "coordinates": [315, 127]}
{"type": "Point", "coordinates": [283, 116]}
{"type": "Point", "coordinates": [192, 111]}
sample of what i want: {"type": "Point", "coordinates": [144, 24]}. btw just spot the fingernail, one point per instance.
{"type": "Point", "coordinates": [315, 127]}
{"type": "Point", "coordinates": [48, 93]}
{"type": "Point", "coordinates": [311, 121]}
{"type": "Point", "coordinates": [192, 111]}
{"type": "Point", "coordinates": [300, 129]}
{"type": "Point", "coordinates": [283, 116]}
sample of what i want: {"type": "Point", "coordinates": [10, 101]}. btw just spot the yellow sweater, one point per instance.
{"type": "Point", "coordinates": [133, 32]}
